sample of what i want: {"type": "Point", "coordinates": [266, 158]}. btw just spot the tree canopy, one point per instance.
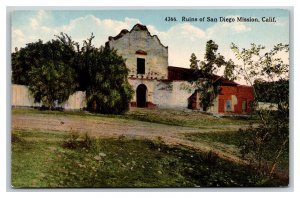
{"type": "Point", "coordinates": [38, 53]}
{"type": "Point", "coordinates": [268, 73]}
{"type": "Point", "coordinates": [205, 70]}
{"type": "Point", "coordinates": [55, 69]}
{"type": "Point", "coordinates": [105, 79]}
{"type": "Point", "coordinates": [51, 82]}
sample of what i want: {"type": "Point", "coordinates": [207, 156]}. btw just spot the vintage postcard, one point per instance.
{"type": "Point", "coordinates": [150, 98]}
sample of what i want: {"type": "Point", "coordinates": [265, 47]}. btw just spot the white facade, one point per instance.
{"type": "Point", "coordinates": [140, 44]}
{"type": "Point", "coordinates": [163, 94]}
{"type": "Point", "coordinates": [21, 97]}
{"type": "Point", "coordinates": [136, 44]}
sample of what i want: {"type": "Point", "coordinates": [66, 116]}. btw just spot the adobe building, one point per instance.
{"type": "Point", "coordinates": [156, 84]}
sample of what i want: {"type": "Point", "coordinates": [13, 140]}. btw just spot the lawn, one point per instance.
{"type": "Point", "coordinates": [58, 159]}
{"type": "Point", "coordinates": [186, 118]}
{"type": "Point", "coordinates": [47, 155]}
{"type": "Point", "coordinates": [235, 139]}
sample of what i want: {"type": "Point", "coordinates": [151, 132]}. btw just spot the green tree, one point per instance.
{"type": "Point", "coordinates": [267, 140]}
{"type": "Point", "coordinates": [107, 87]}
{"type": "Point", "coordinates": [205, 83]}
{"type": "Point", "coordinates": [51, 82]}
{"type": "Point", "coordinates": [37, 53]}
{"type": "Point", "coordinates": [53, 70]}
{"type": "Point", "coordinates": [46, 69]}
{"type": "Point", "coordinates": [194, 62]}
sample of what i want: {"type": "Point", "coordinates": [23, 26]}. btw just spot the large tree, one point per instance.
{"type": "Point", "coordinates": [106, 79]}
{"type": "Point", "coordinates": [205, 83]}
{"type": "Point", "coordinates": [268, 73]}
{"type": "Point", "coordinates": [52, 82]}
{"type": "Point", "coordinates": [46, 68]}
{"type": "Point", "coordinates": [38, 53]}
{"type": "Point", "coordinates": [53, 70]}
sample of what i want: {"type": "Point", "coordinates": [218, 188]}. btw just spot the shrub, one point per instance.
{"type": "Point", "coordinates": [75, 141]}
{"type": "Point", "coordinates": [15, 138]}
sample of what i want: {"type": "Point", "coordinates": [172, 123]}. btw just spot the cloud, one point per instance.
{"type": "Point", "coordinates": [183, 39]}
{"type": "Point", "coordinates": [17, 36]}
{"type": "Point", "coordinates": [34, 23]}
{"type": "Point", "coordinates": [38, 18]}
{"type": "Point", "coordinates": [79, 29]}
{"type": "Point", "coordinates": [227, 29]}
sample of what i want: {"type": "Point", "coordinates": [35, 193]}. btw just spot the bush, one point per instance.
{"type": "Point", "coordinates": [75, 141]}
{"type": "Point", "coordinates": [15, 138]}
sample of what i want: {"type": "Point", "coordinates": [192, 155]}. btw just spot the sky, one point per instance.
{"type": "Point", "coordinates": [182, 38]}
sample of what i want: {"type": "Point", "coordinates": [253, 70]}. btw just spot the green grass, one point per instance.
{"type": "Point", "coordinates": [186, 118]}
{"type": "Point", "coordinates": [235, 138]}
{"type": "Point", "coordinates": [163, 116]}
{"type": "Point", "coordinates": [43, 159]}
{"type": "Point", "coordinates": [227, 137]}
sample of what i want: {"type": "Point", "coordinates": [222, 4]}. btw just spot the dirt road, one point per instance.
{"type": "Point", "coordinates": [116, 127]}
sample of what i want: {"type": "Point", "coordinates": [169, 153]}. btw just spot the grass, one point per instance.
{"type": "Point", "coordinates": [163, 116]}
{"type": "Point", "coordinates": [235, 138]}
{"type": "Point", "coordinates": [186, 118]}
{"type": "Point", "coordinates": [226, 137]}
{"type": "Point", "coordinates": [43, 159]}
{"type": "Point", "coordinates": [56, 159]}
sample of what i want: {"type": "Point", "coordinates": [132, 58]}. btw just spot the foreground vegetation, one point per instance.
{"type": "Point", "coordinates": [58, 159]}
{"type": "Point", "coordinates": [43, 158]}
{"type": "Point", "coordinates": [184, 118]}
{"type": "Point", "coordinates": [236, 139]}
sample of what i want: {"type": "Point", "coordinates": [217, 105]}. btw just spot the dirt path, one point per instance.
{"type": "Point", "coordinates": [116, 127]}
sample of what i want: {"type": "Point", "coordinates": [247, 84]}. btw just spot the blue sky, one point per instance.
{"type": "Point", "coordinates": [183, 38]}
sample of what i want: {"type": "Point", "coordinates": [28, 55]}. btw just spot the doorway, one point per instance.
{"type": "Point", "coordinates": [141, 96]}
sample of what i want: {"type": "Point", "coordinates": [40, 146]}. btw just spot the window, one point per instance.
{"type": "Point", "coordinates": [140, 66]}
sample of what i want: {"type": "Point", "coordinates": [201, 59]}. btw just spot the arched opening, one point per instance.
{"type": "Point", "coordinates": [141, 96]}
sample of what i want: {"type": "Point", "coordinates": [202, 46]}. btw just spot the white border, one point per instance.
{"type": "Point", "coordinates": [5, 73]}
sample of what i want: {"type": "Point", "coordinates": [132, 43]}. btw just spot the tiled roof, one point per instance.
{"type": "Point", "coordinates": [180, 73]}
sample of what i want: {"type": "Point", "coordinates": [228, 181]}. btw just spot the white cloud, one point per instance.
{"type": "Point", "coordinates": [78, 28]}
{"type": "Point", "coordinates": [17, 36]}
{"type": "Point", "coordinates": [34, 23]}
{"type": "Point", "coordinates": [38, 18]}
{"type": "Point", "coordinates": [183, 39]}
{"type": "Point", "coordinates": [227, 29]}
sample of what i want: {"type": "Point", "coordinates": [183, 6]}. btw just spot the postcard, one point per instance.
{"type": "Point", "coordinates": [150, 98]}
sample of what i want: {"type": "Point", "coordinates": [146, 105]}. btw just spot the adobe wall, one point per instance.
{"type": "Point", "coordinates": [163, 94]}
{"type": "Point", "coordinates": [236, 94]}
{"type": "Point", "coordinates": [21, 97]}
{"type": "Point", "coordinates": [156, 57]}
